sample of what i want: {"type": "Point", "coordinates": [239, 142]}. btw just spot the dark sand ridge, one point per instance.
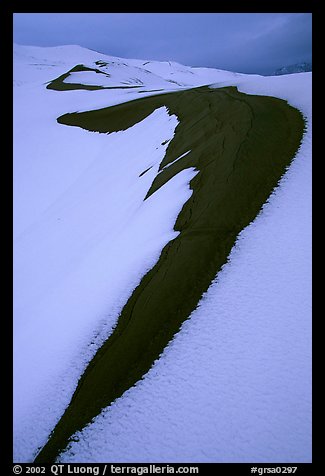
{"type": "Point", "coordinates": [242, 145]}
{"type": "Point", "coordinates": [58, 84]}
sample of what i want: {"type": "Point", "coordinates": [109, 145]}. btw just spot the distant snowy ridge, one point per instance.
{"type": "Point", "coordinates": [294, 68]}
{"type": "Point", "coordinates": [54, 61]}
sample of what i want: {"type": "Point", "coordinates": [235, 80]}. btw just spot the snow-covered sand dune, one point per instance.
{"type": "Point", "coordinates": [235, 381]}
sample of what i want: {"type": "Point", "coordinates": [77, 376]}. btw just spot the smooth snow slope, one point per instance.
{"type": "Point", "coordinates": [84, 238]}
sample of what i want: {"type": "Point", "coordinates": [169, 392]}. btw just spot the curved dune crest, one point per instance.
{"type": "Point", "coordinates": [240, 145]}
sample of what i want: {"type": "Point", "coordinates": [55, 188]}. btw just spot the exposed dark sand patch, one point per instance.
{"type": "Point", "coordinates": [58, 84]}
{"type": "Point", "coordinates": [241, 144]}
{"type": "Point", "coordinates": [145, 171]}
{"type": "Point", "coordinates": [150, 90]}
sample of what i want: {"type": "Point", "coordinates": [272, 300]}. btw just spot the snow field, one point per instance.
{"type": "Point", "coordinates": [234, 384]}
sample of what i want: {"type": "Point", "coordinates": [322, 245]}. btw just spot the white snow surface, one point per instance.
{"type": "Point", "coordinates": [234, 385]}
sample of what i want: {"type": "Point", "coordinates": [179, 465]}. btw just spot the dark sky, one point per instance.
{"type": "Point", "coordinates": [242, 42]}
